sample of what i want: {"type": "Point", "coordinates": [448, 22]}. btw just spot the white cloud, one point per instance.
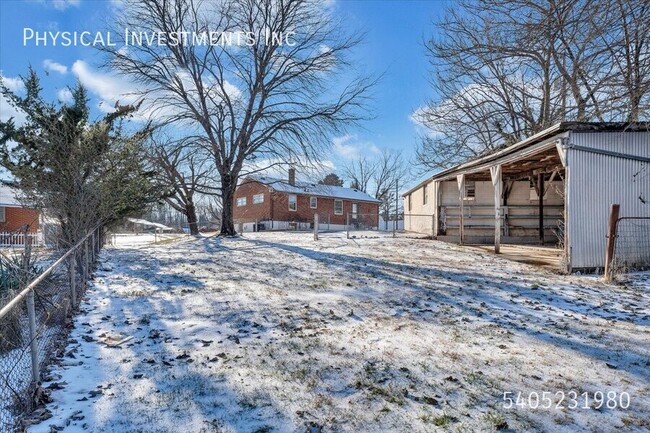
{"type": "Point", "coordinates": [349, 147]}
{"type": "Point", "coordinates": [64, 4]}
{"type": "Point", "coordinates": [51, 65]}
{"type": "Point", "coordinates": [109, 88]}
{"type": "Point", "coordinates": [64, 95]}
{"type": "Point", "coordinates": [7, 111]}
{"type": "Point", "coordinates": [15, 84]}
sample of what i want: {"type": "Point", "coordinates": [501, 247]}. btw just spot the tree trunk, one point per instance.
{"type": "Point", "coordinates": [228, 185]}
{"type": "Point", "coordinates": [192, 220]}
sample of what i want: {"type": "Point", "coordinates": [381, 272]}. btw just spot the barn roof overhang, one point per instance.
{"type": "Point", "coordinates": [536, 154]}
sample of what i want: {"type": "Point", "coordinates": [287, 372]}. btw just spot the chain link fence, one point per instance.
{"type": "Point", "coordinates": [632, 244]}
{"type": "Point", "coordinates": [35, 303]}
{"type": "Point", "coordinates": [137, 239]}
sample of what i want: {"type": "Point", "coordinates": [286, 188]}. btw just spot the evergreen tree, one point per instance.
{"type": "Point", "coordinates": [331, 179]}
{"type": "Point", "coordinates": [82, 173]}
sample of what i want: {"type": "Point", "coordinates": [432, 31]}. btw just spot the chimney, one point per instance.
{"type": "Point", "coordinates": [292, 176]}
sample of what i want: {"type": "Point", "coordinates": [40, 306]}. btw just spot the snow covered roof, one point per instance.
{"type": "Point", "coordinates": [315, 189]}
{"type": "Point", "coordinates": [8, 197]}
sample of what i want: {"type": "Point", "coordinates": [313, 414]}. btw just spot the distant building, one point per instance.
{"type": "Point", "coordinates": [13, 215]}
{"type": "Point", "coordinates": [282, 204]}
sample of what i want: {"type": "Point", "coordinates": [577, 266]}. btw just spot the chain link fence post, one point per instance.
{"type": "Point", "coordinates": [73, 279]}
{"type": "Point", "coordinates": [33, 343]}
{"type": "Point", "coordinates": [86, 263]}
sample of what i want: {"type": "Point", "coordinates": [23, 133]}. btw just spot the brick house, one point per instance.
{"type": "Point", "coordinates": [14, 216]}
{"type": "Point", "coordinates": [281, 204]}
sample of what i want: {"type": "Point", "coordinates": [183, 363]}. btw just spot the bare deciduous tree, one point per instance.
{"type": "Point", "coordinates": [379, 177]}
{"type": "Point", "coordinates": [252, 99]}
{"type": "Point", "coordinates": [505, 70]}
{"type": "Point", "coordinates": [184, 172]}
{"type": "Point", "coordinates": [360, 172]}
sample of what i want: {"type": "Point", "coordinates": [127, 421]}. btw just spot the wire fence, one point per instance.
{"type": "Point", "coordinates": [632, 243]}
{"type": "Point", "coordinates": [35, 304]}
{"type": "Point", "coordinates": [136, 239]}
{"type": "Point", "coordinates": [327, 222]}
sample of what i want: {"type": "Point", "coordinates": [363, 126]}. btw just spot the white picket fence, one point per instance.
{"type": "Point", "coordinates": [12, 239]}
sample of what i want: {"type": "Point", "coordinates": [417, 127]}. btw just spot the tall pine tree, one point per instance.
{"type": "Point", "coordinates": [83, 173]}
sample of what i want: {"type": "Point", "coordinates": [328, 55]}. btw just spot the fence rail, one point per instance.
{"type": "Point", "coordinates": [136, 239]}
{"type": "Point", "coordinates": [34, 311]}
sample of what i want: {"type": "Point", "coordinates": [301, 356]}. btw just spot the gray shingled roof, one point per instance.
{"type": "Point", "coordinates": [306, 188]}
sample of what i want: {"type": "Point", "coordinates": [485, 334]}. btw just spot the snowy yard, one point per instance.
{"type": "Point", "coordinates": [274, 332]}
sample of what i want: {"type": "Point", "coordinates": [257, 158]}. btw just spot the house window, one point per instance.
{"type": "Point", "coordinates": [425, 195]}
{"type": "Point", "coordinates": [293, 202]}
{"type": "Point", "coordinates": [258, 198]}
{"type": "Point", "coordinates": [470, 190]}
{"type": "Point", "coordinates": [355, 210]}
{"type": "Point", "coordinates": [338, 207]}
{"type": "Point", "coordinates": [2, 214]}
{"type": "Point", "coordinates": [241, 201]}
{"type": "Point", "coordinates": [313, 202]}
{"type": "Point", "coordinates": [409, 201]}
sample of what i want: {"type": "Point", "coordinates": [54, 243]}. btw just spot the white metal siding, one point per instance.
{"type": "Point", "coordinates": [597, 181]}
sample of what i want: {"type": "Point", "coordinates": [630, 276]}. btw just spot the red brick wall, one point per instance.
{"type": "Point", "coordinates": [16, 217]}
{"type": "Point", "coordinates": [252, 212]}
{"type": "Point", "coordinates": [324, 209]}
{"type": "Point", "coordinates": [276, 207]}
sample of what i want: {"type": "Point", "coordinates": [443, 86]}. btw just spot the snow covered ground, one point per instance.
{"type": "Point", "coordinates": [273, 332]}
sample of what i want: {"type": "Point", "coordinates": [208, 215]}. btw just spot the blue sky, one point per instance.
{"type": "Point", "coordinates": [393, 46]}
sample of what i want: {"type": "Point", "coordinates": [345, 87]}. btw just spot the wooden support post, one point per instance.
{"type": "Point", "coordinates": [461, 195]}
{"type": "Point", "coordinates": [347, 226]}
{"type": "Point", "coordinates": [436, 209]}
{"type": "Point", "coordinates": [495, 172]}
{"type": "Point", "coordinates": [611, 239]}
{"type": "Point", "coordinates": [315, 226]}
{"type": "Point", "coordinates": [540, 192]}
